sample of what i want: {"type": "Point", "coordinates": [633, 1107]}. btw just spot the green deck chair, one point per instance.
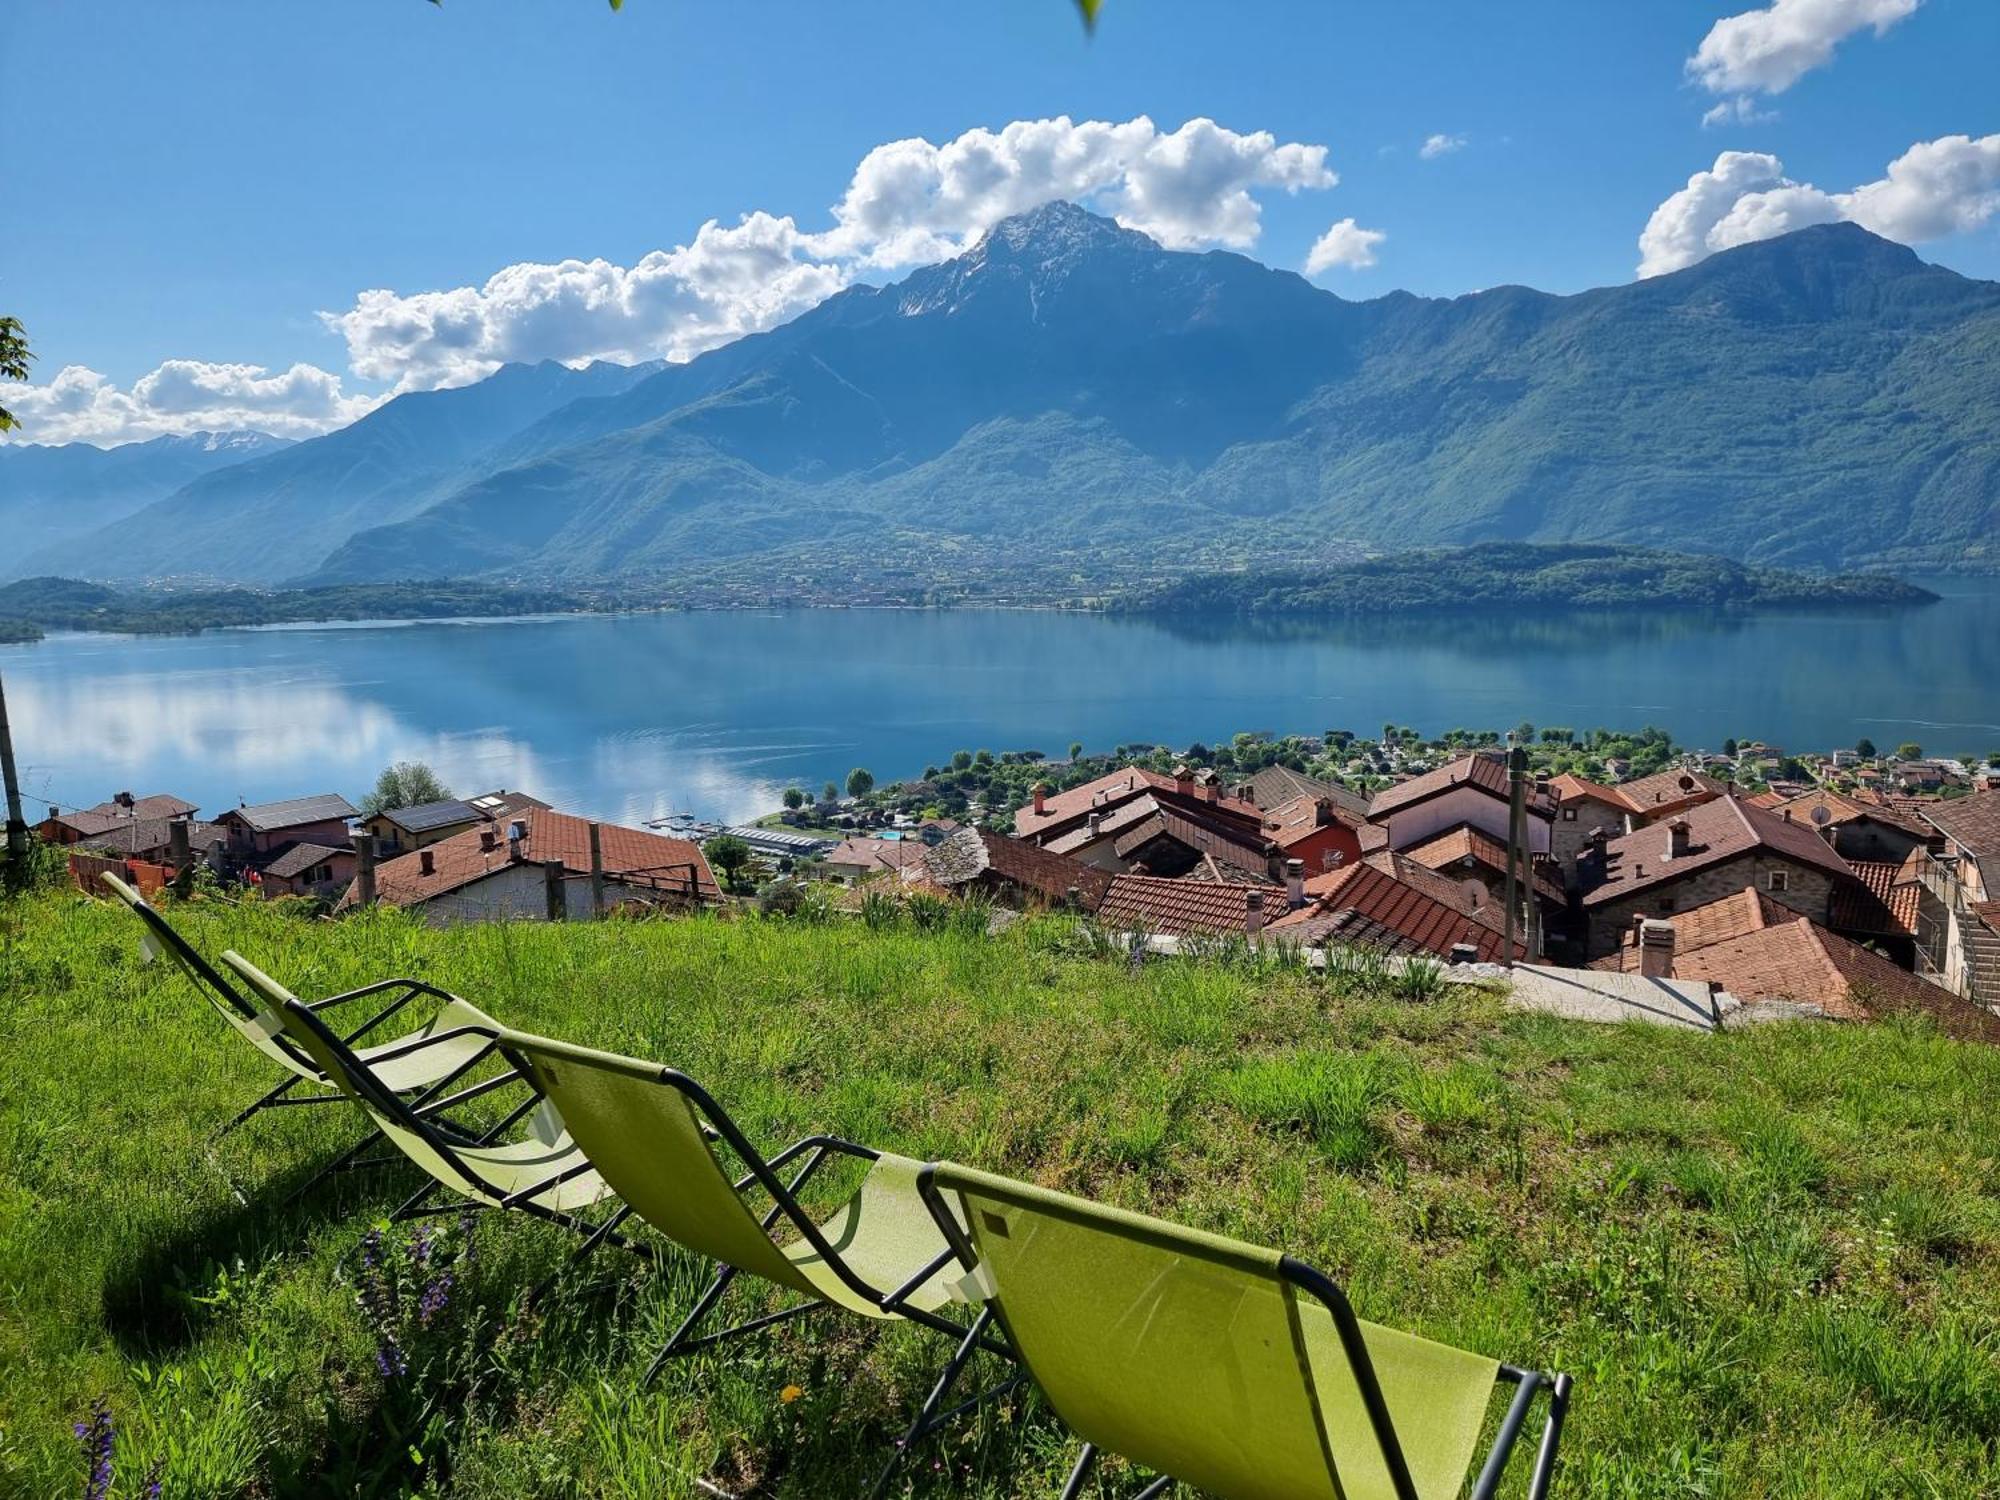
{"type": "Point", "coordinates": [649, 1130]}
{"type": "Point", "coordinates": [544, 1176]}
{"type": "Point", "coordinates": [1222, 1365]}
{"type": "Point", "coordinates": [401, 1069]}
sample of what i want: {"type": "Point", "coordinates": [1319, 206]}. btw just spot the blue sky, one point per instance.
{"type": "Point", "coordinates": [189, 186]}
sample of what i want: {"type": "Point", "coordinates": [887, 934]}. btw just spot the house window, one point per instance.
{"type": "Point", "coordinates": [1779, 880]}
{"type": "Point", "coordinates": [1569, 815]}
{"type": "Point", "coordinates": [1331, 859]}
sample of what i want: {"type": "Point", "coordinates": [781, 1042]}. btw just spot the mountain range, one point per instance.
{"type": "Point", "coordinates": [1068, 396]}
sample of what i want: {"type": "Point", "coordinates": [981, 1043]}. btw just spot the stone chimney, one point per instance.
{"type": "Point", "coordinates": [364, 869]}
{"type": "Point", "coordinates": [427, 862]}
{"type": "Point", "coordinates": [1041, 798]}
{"type": "Point", "coordinates": [179, 851]}
{"type": "Point", "coordinates": [1656, 948]}
{"type": "Point", "coordinates": [1322, 811]}
{"type": "Point", "coordinates": [1094, 823]}
{"type": "Point", "coordinates": [1677, 839]}
{"type": "Point", "coordinates": [1184, 779]}
{"type": "Point", "coordinates": [1295, 883]}
{"type": "Point", "coordinates": [1253, 912]}
{"type": "Point", "coordinates": [1212, 788]}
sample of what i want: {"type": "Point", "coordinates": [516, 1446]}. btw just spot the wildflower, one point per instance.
{"type": "Point", "coordinates": [790, 1394]}
{"type": "Point", "coordinates": [376, 1295]}
{"type": "Point", "coordinates": [97, 1438]}
{"type": "Point", "coordinates": [151, 1489]}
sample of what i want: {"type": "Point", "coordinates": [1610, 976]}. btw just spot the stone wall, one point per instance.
{"type": "Point", "coordinates": [1569, 835]}
{"type": "Point", "coordinates": [1809, 892]}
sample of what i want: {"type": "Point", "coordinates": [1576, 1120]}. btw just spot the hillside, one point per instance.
{"type": "Point", "coordinates": [272, 517]}
{"type": "Point", "coordinates": [1791, 1229]}
{"type": "Point", "coordinates": [52, 493]}
{"type": "Point", "coordinates": [1069, 387]}
{"type": "Point", "coordinates": [1549, 577]}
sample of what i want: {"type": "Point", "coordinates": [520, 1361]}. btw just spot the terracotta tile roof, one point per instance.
{"type": "Point", "coordinates": [1320, 926]}
{"type": "Point", "coordinates": [1884, 902]}
{"type": "Point", "coordinates": [878, 854]}
{"type": "Point", "coordinates": [1766, 799]}
{"type": "Point", "coordinates": [1466, 897]}
{"type": "Point", "coordinates": [646, 859]}
{"type": "Point", "coordinates": [1061, 808]}
{"type": "Point", "coordinates": [90, 821]}
{"type": "Point", "coordinates": [1378, 896]}
{"type": "Point", "coordinates": [1972, 822]}
{"type": "Point", "coordinates": [1669, 790]}
{"type": "Point", "coordinates": [140, 836]}
{"type": "Point", "coordinates": [971, 852]}
{"type": "Point", "coordinates": [1570, 787]}
{"type": "Point", "coordinates": [1486, 770]}
{"type": "Point", "coordinates": [1151, 903]}
{"type": "Point", "coordinates": [1841, 809]}
{"type": "Point", "coordinates": [1275, 785]}
{"type": "Point", "coordinates": [1466, 842]}
{"type": "Point", "coordinates": [1293, 822]}
{"type": "Point", "coordinates": [1731, 916]}
{"type": "Point", "coordinates": [1240, 851]}
{"type": "Point", "coordinates": [1717, 831]}
{"type": "Point", "coordinates": [1109, 822]}
{"type": "Point", "coordinates": [1802, 961]}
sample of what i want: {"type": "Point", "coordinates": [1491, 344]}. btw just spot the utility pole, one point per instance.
{"type": "Point", "coordinates": [17, 826]}
{"type": "Point", "coordinates": [1517, 803]}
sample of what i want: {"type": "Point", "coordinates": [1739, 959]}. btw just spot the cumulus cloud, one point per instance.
{"type": "Point", "coordinates": [1769, 50]}
{"type": "Point", "coordinates": [1933, 189]}
{"type": "Point", "coordinates": [1347, 245]}
{"type": "Point", "coordinates": [1440, 144]}
{"type": "Point", "coordinates": [907, 203]}
{"type": "Point", "coordinates": [182, 396]}
{"type": "Point", "coordinates": [1741, 110]}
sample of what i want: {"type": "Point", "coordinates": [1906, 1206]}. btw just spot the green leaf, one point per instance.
{"type": "Point", "coordinates": [1088, 8]}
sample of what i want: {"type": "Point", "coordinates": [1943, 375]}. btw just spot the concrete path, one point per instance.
{"type": "Point", "coordinates": [1595, 995]}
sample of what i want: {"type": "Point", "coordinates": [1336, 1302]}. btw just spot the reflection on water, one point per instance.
{"type": "Point", "coordinates": [633, 717]}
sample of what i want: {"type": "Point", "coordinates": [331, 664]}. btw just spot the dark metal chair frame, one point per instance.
{"type": "Point", "coordinates": [1322, 1288]}
{"type": "Point", "coordinates": [763, 1172]}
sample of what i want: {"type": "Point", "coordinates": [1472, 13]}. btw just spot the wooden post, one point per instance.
{"type": "Point", "coordinates": [364, 869]}
{"type": "Point", "coordinates": [552, 889]}
{"type": "Point", "coordinates": [1517, 792]}
{"type": "Point", "coordinates": [17, 826]}
{"type": "Point", "coordinates": [596, 873]}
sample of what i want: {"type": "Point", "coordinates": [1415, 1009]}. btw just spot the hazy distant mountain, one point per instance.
{"type": "Point", "coordinates": [276, 516]}
{"type": "Point", "coordinates": [52, 492]}
{"type": "Point", "coordinates": [1822, 398]}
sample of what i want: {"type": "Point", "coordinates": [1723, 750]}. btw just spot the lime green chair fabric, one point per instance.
{"type": "Point", "coordinates": [1195, 1356]}
{"type": "Point", "coordinates": [261, 1027]}
{"type": "Point", "coordinates": [638, 1126]}
{"type": "Point", "coordinates": [487, 1173]}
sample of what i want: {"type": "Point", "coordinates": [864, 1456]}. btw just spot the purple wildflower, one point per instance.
{"type": "Point", "coordinates": [377, 1295]}
{"type": "Point", "coordinates": [151, 1491]}
{"type": "Point", "coordinates": [97, 1438]}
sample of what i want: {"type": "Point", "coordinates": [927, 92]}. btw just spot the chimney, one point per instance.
{"type": "Point", "coordinates": [1183, 779]}
{"type": "Point", "coordinates": [1245, 792]}
{"type": "Point", "coordinates": [1096, 821]}
{"type": "Point", "coordinates": [427, 862]}
{"type": "Point", "coordinates": [1785, 813]}
{"type": "Point", "coordinates": [1041, 798]}
{"type": "Point", "coordinates": [124, 800]}
{"type": "Point", "coordinates": [516, 832]}
{"type": "Point", "coordinates": [364, 869]}
{"type": "Point", "coordinates": [1212, 789]}
{"type": "Point", "coordinates": [488, 840]}
{"type": "Point", "coordinates": [1464, 953]}
{"type": "Point", "coordinates": [179, 854]}
{"type": "Point", "coordinates": [1253, 912]}
{"type": "Point", "coordinates": [1295, 883]}
{"type": "Point", "coordinates": [1677, 839]}
{"type": "Point", "coordinates": [1323, 811]}
{"type": "Point", "coordinates": [1656, 948]}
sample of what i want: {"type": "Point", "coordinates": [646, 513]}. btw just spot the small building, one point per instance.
{"type": "Point", "coordinates": [1469, 853]}
{"type": "Point", "coordinates": [265, 827]}
{"type": "Point", "coordinates": [120, 813]}
{"type": "Point", "coordinates": [1010, 871]}
{"type": "Point", "coordinates": [1584, 809]}
{"type": "Point", "coordinates": [1163, 907]}
{"type": "Point", "coordinates": [1858, 830]}
{"type": "Point", "coordinates": [1958, 906]}
{"type": "Point", "coordinates": [1665, 793]}
{"type": "Point", "coordinates": [305, 869]}
{"type": "Point", "coordinates": [1143, 821]}
{"type": "Point", "coordinates": [398, 830]}
{"type": "Point", "coordinates": [1475, 789]}
{"type": "Point", "coordinates": [1368, 905]}
{"type": "Point", "coordinates": [856, 859]}
{"type": "Point", "coordinates": [537, 867]}
{"type": "Point", "coordinates": [1709, 851]}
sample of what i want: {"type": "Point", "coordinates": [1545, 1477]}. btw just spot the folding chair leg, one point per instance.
{"type": "Point", "coordinates": [412, 1206]}
{"type": "Point", "coordinates": [928, 1418]}
{"type": "Point", "coordinates": [701, 1308]}
{"type": "Point", "coordinates": [605, 1231]}
{"type": "Point", "coordinates": [1545, 1458]}
{"type": "Point", "coordinates": [339, 1164]}
{"type": "Point", "coordinates": [248, 1110]}
{"type": "Point", "coordinates": [1084, 1462]}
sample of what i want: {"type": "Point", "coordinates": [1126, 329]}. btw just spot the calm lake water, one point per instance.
{"type": "Point", "coordinates": [633, 717]}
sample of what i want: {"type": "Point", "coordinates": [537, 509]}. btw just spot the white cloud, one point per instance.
{"type": "Point", "coordinates": [181, 396]}
{"type": "Point", "coordinates": [1345, 244]}
{"type": "Point", "coordinates": [908, 202]}
{"type": "Point", "coordinates": [1440, 144]}
{"type": "Point", "coordinates": [1741, 110]}
{"type": "Point", "coordinates": [1935, 188]}
{"type": "Point", "coordinates": [1769, 50]}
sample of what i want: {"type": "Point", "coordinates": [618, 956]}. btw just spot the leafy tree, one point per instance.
{"type": "Point", "coordinates": [404, 784]}
{"type": "Point", "coordinates": [14, 358]}
{"type": "Point", "coordinates": [1909, 750]}
{"type": "Point", "coordinates": [1075, 749]}
{"type": "Point", "coordinates": [729, 857]}
{"type": "Point", "coordinates": [1865, 748]}
{"type": "Point", "coordinates": [794, 798]}
{"type": "Point", "coordinates": [861, 781]}
{"type": "Point", "coordinates": [961, 760]}
{"type": "Point", "coordinates": [829, 793]}
{"type": "Point", "coordinates": [1729, 746]}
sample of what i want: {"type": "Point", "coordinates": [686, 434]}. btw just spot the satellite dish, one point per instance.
{"type": "Point", "coordinates": [1821, 815]}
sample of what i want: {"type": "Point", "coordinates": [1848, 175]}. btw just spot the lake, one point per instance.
{"type": "Point", "coordinates": [631, 717]}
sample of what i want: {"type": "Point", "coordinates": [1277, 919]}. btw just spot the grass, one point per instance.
{"type": "Point", "coordinates": [1769, 1257]}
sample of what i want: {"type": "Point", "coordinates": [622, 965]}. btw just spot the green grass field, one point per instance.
{"type": "Point", "coordinates": [1770, 1258]}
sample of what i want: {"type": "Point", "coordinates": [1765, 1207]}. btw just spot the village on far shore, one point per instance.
{"type": "Point", "coordinates": [1608, 876]}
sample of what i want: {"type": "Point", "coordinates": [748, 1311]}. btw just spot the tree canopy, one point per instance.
{"type": "Point", "coordinates": [407, 783]}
